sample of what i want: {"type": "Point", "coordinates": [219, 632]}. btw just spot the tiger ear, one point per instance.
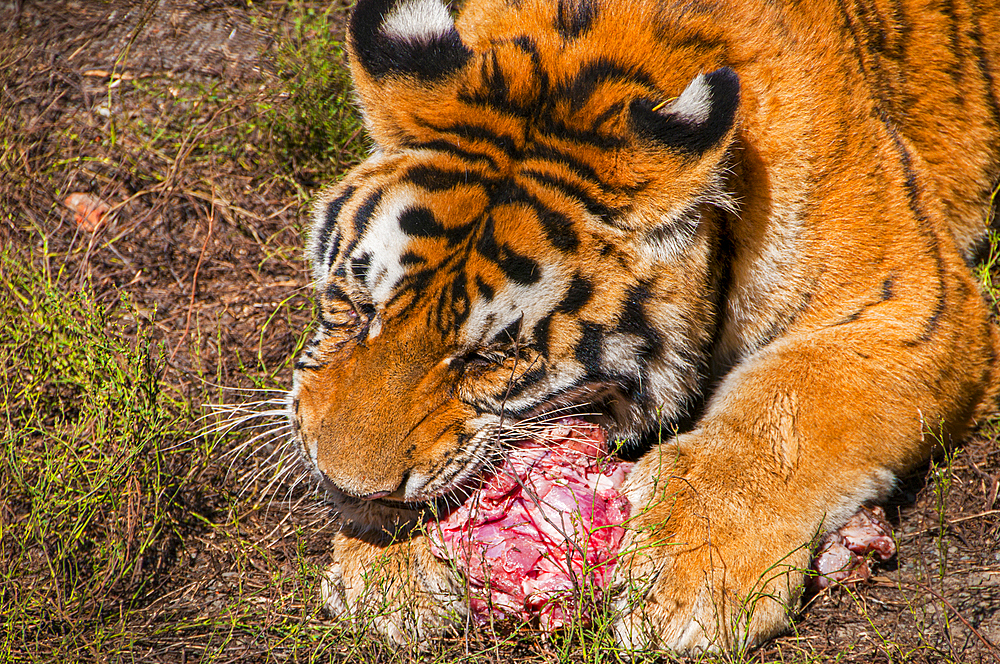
{"type": "Point", "coordinates": [698, 120]}
{"type": "Point", "coordinates": [408, 38]}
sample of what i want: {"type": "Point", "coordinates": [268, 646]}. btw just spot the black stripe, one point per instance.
{"type": "Point", "coordinates": [602, 70]}
{"type": "Point", "coordinates": [485, 289]}
{"type": "Point", "coordinates": [493, 90]}
{"type": "Point", "coordinates": [579, 168]}
{"type": "Point", "coordinates": [516, 267]}
{"type": "Point", "coordinates": [442, 145]}
{"type": "Point", "coordinates": [993, 104]}
{"type": "Point", "coordinates": [330, 217]}
{"type": "Point", "coordinates": [460, 305]}
{"type": "Point", "coordinates": [334, 248]}
{"type": "Point", "coordinates": [559, 130]}
{"type": "Point", "coordinates": [335, 292]}
{"type": "Point", "coordinates": [577, 295]}
{"type": "Point", "coordinates": [611, 111]}
{"type": "Point", "coordinates": [588, 348]}
{"type": "Point", "coordinates": [557, 227]}
{"type": "Point", "coordinates": [955, 69]}
{"type": "Point", "coordinates": [412, 258]}
{"type": "Point", "coordinates": [695, 42]}
{"type": "Point", "coordinates": [508, 335]}
{"type": "Point", "coordinates": [926, 227]}
{"type": "Point", "coordinates": [419, 221]}
{"type": "Point", "coordinates": [526, 380]}
{"type": "Point", "coordinates": [634, 320]}
{"type": "Point", "coordinates": [413, 284]}
{"type": "Point", "coordinates": [472, 132]}
{"type": "Point", "coordinates": [360, 265]}
{"type": "Point", "coordinates": [433, 178]}
{"type": "Point", "coordinates": [851, 318]}
{"type": "Point", "coordinates": [540, 335]}
{"type": "Point", "coordinates": [365, 212]}
{"type": "Point", "coordinates": [495, 82]}
{"type": "Point", "coordinates": [575, 193]}
{"type": "Point", "coordinates": [887, 288]}
{"type": "Point", "coordinates": [873, 72]}
{"type": "Point", "coordinates": [575, 17]}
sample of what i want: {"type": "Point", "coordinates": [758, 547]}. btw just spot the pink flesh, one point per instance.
{"type": "Point", "coordinates": [844, 553]}
{"type": "Point", "coordinates": [543, 530]}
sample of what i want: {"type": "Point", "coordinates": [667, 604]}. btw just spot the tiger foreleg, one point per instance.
{"type": "Point", "coordinates": [795, 440]}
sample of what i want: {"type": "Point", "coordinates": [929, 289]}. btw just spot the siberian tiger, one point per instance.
{"type": "Point", "coordinates": [739, 231]}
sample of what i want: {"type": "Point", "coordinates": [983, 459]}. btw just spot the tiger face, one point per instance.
{"type": "Point", "coordinates": [485, 268]}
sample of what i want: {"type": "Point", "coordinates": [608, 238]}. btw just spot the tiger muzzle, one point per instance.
{"type": "Point", "coordinates": [376, 422]}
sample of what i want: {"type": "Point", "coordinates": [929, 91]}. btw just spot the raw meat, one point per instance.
{"type": "Point", "coordinates": [844, 553]}
{"type": "Point", "coordinates": [542, 533]}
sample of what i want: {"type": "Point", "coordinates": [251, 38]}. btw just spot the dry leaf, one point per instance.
{"type": "Point", "coordinates": [90, 210]}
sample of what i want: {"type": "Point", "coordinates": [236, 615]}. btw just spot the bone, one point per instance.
{"type": "Point", "coordinates": [844, 554]}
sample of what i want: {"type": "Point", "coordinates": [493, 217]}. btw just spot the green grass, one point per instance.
{"type": "Point", "coordinates": [87, 485]}
{"type": "Point", "coordinates": [314, 120]}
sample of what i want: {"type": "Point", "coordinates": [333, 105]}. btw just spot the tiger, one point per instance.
{"type": "Point", "coordinates": [735, 235]}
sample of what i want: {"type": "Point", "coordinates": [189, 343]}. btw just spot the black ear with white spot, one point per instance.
{"type": "Point", "coordinates": [406, 37]}
{"type": "Point", "coordinates": [696, 121]}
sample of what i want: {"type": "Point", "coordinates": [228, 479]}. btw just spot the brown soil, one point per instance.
{"type": "Point", "coordinates": [205, 235]}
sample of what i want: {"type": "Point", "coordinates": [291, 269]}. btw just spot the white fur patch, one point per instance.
{"type": "Point", "coordinates": [512, 302]}
{"type": "Point", "coordinates": [385, 242]}
{"type": "Point", "coordinates": [375, 328]}
{"type": "Point", "coordinates": [695, 103]}
{"type": "Point", "coordinates": [671, 240]}
{"type": "Point", "coordinates": [418, 21]}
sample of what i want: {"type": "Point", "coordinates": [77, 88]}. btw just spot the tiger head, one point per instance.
{"type": "Point", "coordinates": [537, 230]}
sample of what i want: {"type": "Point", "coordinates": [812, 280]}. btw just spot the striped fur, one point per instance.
{"type": "Point", "coordinates": [745, 221]}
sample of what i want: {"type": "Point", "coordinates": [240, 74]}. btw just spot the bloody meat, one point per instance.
{"type": "Point", "coordinates": [844, 553]}
{"type": "Point", "coordinates": [544, 529]}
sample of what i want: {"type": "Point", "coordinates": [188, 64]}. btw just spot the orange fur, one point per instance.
{"type": "Point", "coordinates": [522, 241]}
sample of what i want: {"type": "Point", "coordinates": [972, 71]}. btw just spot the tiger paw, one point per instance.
{"type": "Point", "coordinates": [398, 590]}
{"type": "Point", "coordinates": [694, 576]}
{"type": "Point", "coordinates": [703, 598]}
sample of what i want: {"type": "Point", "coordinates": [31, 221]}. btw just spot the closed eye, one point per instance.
{"type": "Point", "coordinates": [494, 356]}
{"type": "Point", "coordinates": [485, 357]}
{"type": "Point", "coordinates": [340, 316]}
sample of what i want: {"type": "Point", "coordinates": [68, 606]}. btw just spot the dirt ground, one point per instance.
{"type": "Point", "coordinates": [173, 113]}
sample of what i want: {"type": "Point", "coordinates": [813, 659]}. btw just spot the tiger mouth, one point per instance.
{"type": "Point", "coordinates": [537, 426]}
